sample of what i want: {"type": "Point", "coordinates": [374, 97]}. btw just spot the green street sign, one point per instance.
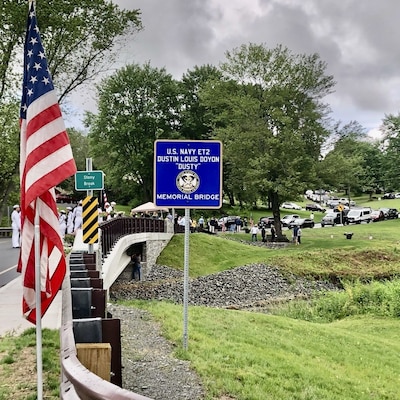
{"type": "Point", "coordinates": [89, 180]}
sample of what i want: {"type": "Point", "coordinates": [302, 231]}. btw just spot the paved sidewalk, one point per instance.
{"type": "Point", "coordinates": [11, 318]}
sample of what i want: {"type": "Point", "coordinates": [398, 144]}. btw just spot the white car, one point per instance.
{"type": "Point", "coordinates": [291, 206]}
{"type": "Point", "coordinates": [288, 219]}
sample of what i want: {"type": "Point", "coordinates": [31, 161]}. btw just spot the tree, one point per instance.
{"type": "Point", "coordinates": [80, 149]}
{"type": "Point", "coordinates": [137, 105]}
{"type": "Point", "coordinates": [269, 115]}
{"type": "Point", "coordinates": [354, 164]}
{"type": "Point", "coordinates": [9, 155]}
{"type": "Point", "coordinates": [81, 39]}
{"type": "Point", "coordinates": [195, 123]}
{"type": "Point", "coordinates": [391, 152]}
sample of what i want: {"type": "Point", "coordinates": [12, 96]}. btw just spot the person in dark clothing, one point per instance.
{"type": "Point", "coordinates": [295, 232]}
{"type": "Point", "coordinates": [136, 267]}
{"type": "Point", "coordinates": [273, 233]}
{"type": "Point", "coordinates": [263, 234]}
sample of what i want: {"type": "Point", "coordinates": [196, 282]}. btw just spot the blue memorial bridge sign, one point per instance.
{"type": "Point", "coordinates": [188, 173]}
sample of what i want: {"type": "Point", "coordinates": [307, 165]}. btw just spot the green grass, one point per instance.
{"type": "Point", "coordinates": [18, 365]}
{"type": "Point", "coordinates": [342, 345]}
{"type": "Point", "coordinates": [254, 356]}
{"type": "Point", "coordinates": [381, 299]}
{"type": "Point", "coordinates": [209, 254]}
{"type": "Point", "coordinates": [374, 251]}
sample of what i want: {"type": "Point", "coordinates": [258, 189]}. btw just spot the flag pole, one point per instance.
{"type": "Point", "coordinates": [38, 299]}
{"type": "Point", "coordinates": [38, 294]}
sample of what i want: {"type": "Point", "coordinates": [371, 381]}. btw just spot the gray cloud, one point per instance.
{"type": "Point", "coordinates": [357, 40]}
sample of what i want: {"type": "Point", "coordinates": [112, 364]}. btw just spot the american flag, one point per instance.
{"type": "Point", "coordinates": [46, 160]}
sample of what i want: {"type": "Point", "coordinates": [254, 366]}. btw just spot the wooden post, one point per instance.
{"type": "Point", "coordinates": [96, 357]}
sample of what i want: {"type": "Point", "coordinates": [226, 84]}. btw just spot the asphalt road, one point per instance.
{"type": "Point", "coordinates": [8, 261]}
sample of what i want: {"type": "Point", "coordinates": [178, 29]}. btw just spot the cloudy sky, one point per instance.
{"type": "Point", "coordinates": [357, 39]}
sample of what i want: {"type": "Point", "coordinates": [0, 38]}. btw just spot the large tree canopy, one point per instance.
{"type": "Point", "coordinates": [268, 113]}
{"type": "Point", "coordinates": [391, 151]}
{"type": "Point", "coordinates": [80, 38]}
{"type": "Point", "coordinates": [195, 123]}
{"type": "Point", "coordinates": [9, 154]}
{"type": "Point", "coordinates": [354, 165]}
{"type": "Point", "coordinates": [136, 106]}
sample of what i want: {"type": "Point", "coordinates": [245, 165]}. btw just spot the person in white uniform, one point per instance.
{"type": "Point", "coordinates": [16, 226]}
{"type": "Point", "coordinates": [109, 210]}
{"type": "Point", "coordinates": [62, 219]}
{"type": "Point", "coordinates": [77, 216]}
{"type": "Point", "coordinates": [70, 221]}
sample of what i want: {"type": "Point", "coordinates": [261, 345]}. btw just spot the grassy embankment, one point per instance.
{"type": "Point", "coordinates": [340, 346]}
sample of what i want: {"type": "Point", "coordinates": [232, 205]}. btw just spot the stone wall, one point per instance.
{"type": "Point", "coordinates": [152, 249]}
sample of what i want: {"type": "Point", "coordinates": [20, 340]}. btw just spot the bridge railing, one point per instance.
{"type": "Point", "coordinates": [113, 230]}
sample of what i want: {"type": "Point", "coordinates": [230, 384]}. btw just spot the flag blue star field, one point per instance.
{"type": "Point", "coordinates": [46, 159]}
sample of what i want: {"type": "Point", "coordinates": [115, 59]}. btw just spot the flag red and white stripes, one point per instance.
{"type": "Point", "coordinates": [46, 160]}
{"type": "Point", "coordinates": [104, 200]}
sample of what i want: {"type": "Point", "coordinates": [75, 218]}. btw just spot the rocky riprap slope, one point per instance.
{"type": "Point", "coordinates": [241, 287]}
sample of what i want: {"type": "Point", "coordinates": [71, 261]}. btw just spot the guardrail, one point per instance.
{"type": "Point", "coordinates": [5, 232]}
{"type": "Point", "coordinates": [78, 382]}
{"type": "Point", "coordinates": [84, 318]}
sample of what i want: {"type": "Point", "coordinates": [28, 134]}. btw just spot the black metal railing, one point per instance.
{"type": "Point", "coordinates": [113, 230]}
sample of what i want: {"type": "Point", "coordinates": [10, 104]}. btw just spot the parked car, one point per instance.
{"type": "Point", "coordinates": [65, 198]}
{"type": "Point", "coordinates": [333, 218]}
{"type": "Point", "coordinates": [266, 222]}
{"type": "Point", "coordinates": [291, 206]}
{"type": "Point", "coordinates": [287, 219]}
{"type": "Point", "coordinates": [358, 215]}
{"type": "Point", "coordinates": [393, 213]}
{"type": "Point", "coordinates": [385, 211]}
{"type": "Point", "coordinates": [228, 220]}
{"type": "Point", "coordinates": [390, 213]}
{"type": "Point", "coordinates": [388, 196]}
{"type": "Point", "coordinates": [315, 207]}
{"type": "Point", "coordinates": [333, 203]}
{"type": "Point", "coordinates": [377, 215]}
{"type": "Point", "coordinates": [397, 195]}
{"type": "Point", "coordinates": [302, 223]}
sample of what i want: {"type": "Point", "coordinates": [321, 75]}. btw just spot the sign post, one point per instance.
{"type": "Point", "coordinates": [89, 180]}
{"type": "Point", "coordinates": [187, 174]}
{"type": "Point", "coordinates": [340, 209]}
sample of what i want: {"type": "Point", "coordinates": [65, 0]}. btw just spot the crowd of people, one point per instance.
{"type": "Point", "coordinates": [70, 220]}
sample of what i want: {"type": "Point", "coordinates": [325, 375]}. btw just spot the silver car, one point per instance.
{"type": "Point", "coordinates": [331, 218]}
{"type": "Point", "coordinates": [288, 219]}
